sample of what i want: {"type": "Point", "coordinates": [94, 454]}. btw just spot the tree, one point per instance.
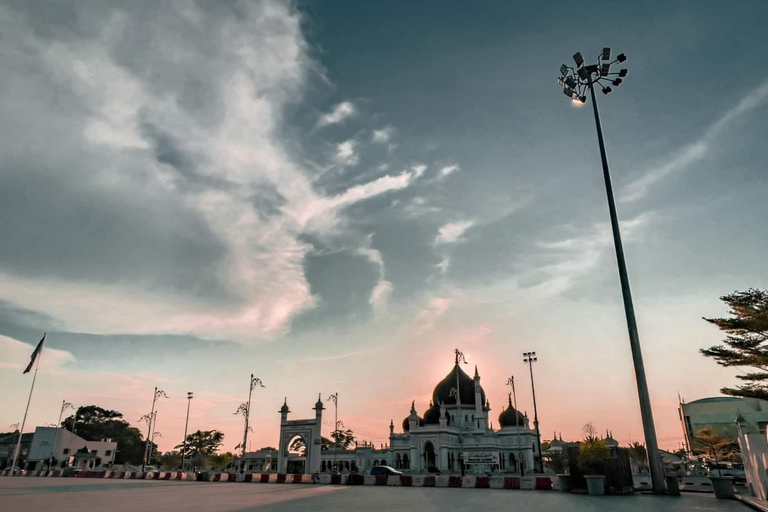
{"type": "Point", "coordinates": [95, 423]}
{"type": "Point", "coordinates": [639, 456]}
{"type": "Point", "coordinates": [590, 432]}
{"type": "Point", "coordinates": [343, 438]}
{"type": "Point", "coordinates": [716, 445]}
{"type": "Point", "coordinates": [220, 460]}
{"type": "Point", "coordinates": [203, 443]}
{"type": "Point", "coordinates": [170, 460]}
{"type": "Point", "coordinates": [746, 333]}
{"type": "Point", "coordinates": [557, 461]}
{"type": "Point", "coordinates": [268, 448]}
{"type": "Point", "coordinates": [592, 456]}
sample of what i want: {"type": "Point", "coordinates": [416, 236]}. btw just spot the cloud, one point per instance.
{"type": "Point", "coordinates": [428, 317]}
{"type": "Point", "coordinates": [346, 154]}
{"type": "Point", "coordinates": [170, 198]}
{"type": "Point", "coordinates": [452, 232]}
{"type": "Point", "coordinates": [339, 114]}
{"type": "Point", "coordinates": [448, 170]}
{"type": "Point", "coordinates": [16, 354]}
{"type": "Point", "coordinates": [381, 292]}
{"type": "Point", "coordinates": [418, 170]}
{"type": "Point", "coordinates": [444, 264]}
{"type": "Point", "coordinates": [383, 135]}
{"type": "Point", "coordinates": [697, 150]}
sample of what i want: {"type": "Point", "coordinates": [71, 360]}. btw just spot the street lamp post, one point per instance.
{"type": "Point", "coordinates": [459, 358]}
{"type": "Point", "coordinates": [157, 393]}
{"type": "Point", "coordinates": [335, 399]}
{"type": "Point", "coordinates": [186, 425]}
{"type": "Point", "coordinates": [575, 82]}
{"type": "Point", "coordinates": [64, 406]}
{"type": "Point", "coordinates": [530, 358]}
{"type": "Point", "coordinates": [255, 381]}
{"type": "Point", "coordinates": [511, 382]}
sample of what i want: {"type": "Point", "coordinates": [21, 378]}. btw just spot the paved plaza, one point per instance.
{"type": "Point", "coordinates": [76, 495]}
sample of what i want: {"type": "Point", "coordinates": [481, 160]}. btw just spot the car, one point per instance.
{"type": "Point", "coordinates": [384, 471]}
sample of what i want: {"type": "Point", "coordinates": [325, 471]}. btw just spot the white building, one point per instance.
{"type": "Point", "coordinates": [719, 413]}
{"type": "Point", "coordinates": [64, 446]}
{"type": "Point", "coordinates": [446, 434]}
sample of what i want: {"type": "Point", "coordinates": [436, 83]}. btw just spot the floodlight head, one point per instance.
{"type": "Point", "coordinates": [617, 82]}
{"type": "Point", "coordinates": [606, 54]}
{"type": "Point", "coordinates": [583, 99]}
{"type": "Point", "coordinates": [621, 57]}
{"type": "Point", "coordinates": [570, 82]}
{"type": "Point", "coordinates": [583, 73]}
{"type": "Point", "coordinates": [622, 73]}
{"type": "Point", "coordinates": [607, 90]}
{"type": "Point", "coordinates": [189, 395]}
{"type": "Point", "coordinates": [568, 92]}
{"type": "Point", "coordinates": [578, 59]}
{"type": "Point", "coordinates": [605, 69]}
{"type": "Point", "coordinates": [564, 70]}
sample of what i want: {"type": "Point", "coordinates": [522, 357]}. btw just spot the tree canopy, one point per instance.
{"type": "Point", "coordinates": [94, 423]}
{"type": "Point", "coordinates": [744, 345]}
{"type": "Point", "coordinates": [202, 443]}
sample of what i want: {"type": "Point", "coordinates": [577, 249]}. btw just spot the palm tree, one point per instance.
{"type": "Point", "coordinates": [714, 443]}
{"type": "Point", "coordinates": [220, 460]}
{"type": "Point", "coordinates": [639, 456]}
{"type": "Point", "coordinates": [170, 460]}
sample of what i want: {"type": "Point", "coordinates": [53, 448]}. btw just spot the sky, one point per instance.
{"type": "Point", "coordinates": [333, 196]}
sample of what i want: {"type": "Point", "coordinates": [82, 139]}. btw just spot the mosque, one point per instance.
{"type": "Point", "coordinates": [454, 430]}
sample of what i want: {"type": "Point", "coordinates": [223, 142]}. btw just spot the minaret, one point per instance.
{"type": "Point", "coordinates": [284, 410]}
{"type": "Point", "coordinates": [391, 427]}
{"type": "Point", "coordinates": [443, 422]}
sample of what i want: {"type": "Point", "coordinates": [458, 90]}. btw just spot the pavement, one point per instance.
{"type": "Point", "coordinates": [70, 494]}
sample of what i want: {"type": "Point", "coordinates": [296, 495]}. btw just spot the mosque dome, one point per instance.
{"type": "Point", "coordinates": [442, 392]}
{"type": "Point", "coordinates": [509, 417]}
{"type": "Point", "coordinates": [407, 423]}
{"type": "Point", "coordinates": [432, 415]}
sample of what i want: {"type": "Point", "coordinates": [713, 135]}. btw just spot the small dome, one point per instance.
{"type": "Point", "coordinates": [432, 415]}
{"type": "Point", "coordinates": [509, 417]}
{"type": "Point", "coordinates": [284, 409]}
{"type": "Point", "coordinates": [407, 422]}
{"type": "Point", "coordinates": [319, 404]}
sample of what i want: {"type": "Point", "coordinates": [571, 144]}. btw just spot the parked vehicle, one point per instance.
{"type": "Point", "coordinates": [384, 471]}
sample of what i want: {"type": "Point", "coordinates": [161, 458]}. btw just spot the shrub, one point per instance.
{"type": "Point", "coordinates": [592, 456]}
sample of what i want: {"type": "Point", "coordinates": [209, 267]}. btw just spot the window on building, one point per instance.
{"type": "Point", "coordinates": [108, 453]}
{"type": "Point", "coordinates": [65, 451]}
{"type": "Point", "coordinates": [406, 462]}
{"type": "Point", "coordinates": [466, 417]}
{"type": "Point", "coordinates": [398, 462]}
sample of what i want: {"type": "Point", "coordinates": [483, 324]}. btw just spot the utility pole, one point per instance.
{"type": "Point", "coordinates": [459, 358]}
{"type": "Point", "coordinates": [155, 394]}
{"type": "Point", "coordinates": [255, 381]}
{"type": "Point", "coordinates": [64, 406]}
{"type": "Point", "coordinates": [530, 358]}
{"type": "Point", "coordinates": [335, 399]}
{"type": "Point", "coordinates": [186, 425]}
{"type": "Point", "coordinates": [511, 382]}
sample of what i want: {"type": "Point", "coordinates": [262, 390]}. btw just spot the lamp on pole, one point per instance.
{"type": "Point", "coordinates": [149, 418]}
{"type": "Point", "coordinates": [459, 358]}
{"type": "Point", "coordinates": [255, 381]}
{"type": "Point", "coordinates": [64, 406]}
{"type": "Point", "coordinates": [575, 82]}
{"type": "Point", "coordinates": [530, 358]}
{"type": "Point", "coordinates": [335, 399]}
{"type": "Point", "coordinates": [511, 382]}
{"type": "Point", "coordinates": [186, 425]}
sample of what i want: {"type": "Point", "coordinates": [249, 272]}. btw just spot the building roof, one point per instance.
{"type": "Point", "coordinates": [510, 417]}
{"type": "Point", "coordinates": [442, 392]}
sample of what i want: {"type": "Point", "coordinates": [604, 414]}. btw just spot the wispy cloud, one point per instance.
{"type": "Point", "coordinates": [697, 150]}
{"type": "Point", "coordinates": [383, 135]}
{"type": "Point", "coordinates": [453, 231]}
{"type": "Point", "coordinates": [428, 317]}
{"type": "Point", "coordinates": [16, 355]}
{"type": "Point", "coordinates": [346, 153]}
{"type": "Point", "coordinates": [448, 170]}
{"type": "Point", "coordinates": [383, 289]}
{"type": "Point", "coordinates": [339, 114]}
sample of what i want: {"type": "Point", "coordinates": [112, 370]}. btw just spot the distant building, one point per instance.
{"type": "Point", "coordinates": [8, 442]}
{"type": "Point", "coordinates": [719, 414]}
{"type": "Point", "coordinates": [69, 449]}
{"type": "Point", "coordinates": [261, 461]}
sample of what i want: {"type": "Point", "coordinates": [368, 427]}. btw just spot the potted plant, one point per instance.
{"type": "Point", "coordinates": [557, 462]}
{"type": "Point", "coordinates": [722, 485]}
{"type": "Point", "coordinates": [593, 453]}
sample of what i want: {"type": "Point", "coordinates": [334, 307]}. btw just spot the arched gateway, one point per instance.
{"type": "Point", "coordinates": [309, 431]}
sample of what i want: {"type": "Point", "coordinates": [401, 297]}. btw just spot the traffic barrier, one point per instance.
{"type": "Point", "coordinates": [543, 483]}
{"type": "Point", "coordinates": [406, 480]}
{"type": "Point", "coordinates": [423, 481]}
{"type": "Point", "coordinates": [356, 479]}
{"type": "Point", "coordinates": [281, 478]}
{"type": "Point", "coordinates": [393, 481]}
{"type": "Point", "coordinates": [696, 484]}
{"type": "Point", "coordinates": [441, 480]}
{"type": "Point", "coordinates": [512, 482]}
{"type": "Point", "coordinates": [527, 483]}
{"type": "Point", "coordinates": [482, 482]}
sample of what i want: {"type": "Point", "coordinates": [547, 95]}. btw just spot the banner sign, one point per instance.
{"type": "Point", "coordinates": [481, 457]}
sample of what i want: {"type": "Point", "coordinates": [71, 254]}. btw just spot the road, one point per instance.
{"type": "Point", "coordinates": [75, 495]}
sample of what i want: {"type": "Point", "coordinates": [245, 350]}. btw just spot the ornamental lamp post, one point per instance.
{"type": "Point", "coordinates": [511, 382]}
{"type": "Point", "coordinates": [335, 399]}
{"type": "Point", "coordinates": [575, 82]}
{"type": "Point", "coordinates": [186, 426]}
{"type": "Point", "coordinates": [64, 406]}
{"type": "Point", "coordinates": [149, 418]}
{"type": "Point", "coordinates": [530, 358]}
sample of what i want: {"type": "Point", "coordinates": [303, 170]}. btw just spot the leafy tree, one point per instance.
{"type": "Point", "coordinates": [94, 423]}
{"type": "Point", "coordinates": [268, 448]}
{"type": "Point", "coordinates": [590, 432]}
{"type": "Point", "coordinates": [202, 443]}
{"type": "Point", "coordinates": [299, 446]}
{"type": "Point", "coordinates": [170, 460]}
{"type": "Point", "coordinates": [592, 456]}
{"type": "Point", "coordinates": [557, 461]}
{"type": "Point", "coordinates": [744, 345]}
{"type": "Point", "coordinates": [638, 455]}
{"type": "Point", "coordinates": [343, 438]}
{"type": "Point", "coordinates": [716, 445]}
{"type": "Point", "coordinates": [220, 460]}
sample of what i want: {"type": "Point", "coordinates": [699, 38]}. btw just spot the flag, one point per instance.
{"type": "Point", "coordinates": [35, 354]}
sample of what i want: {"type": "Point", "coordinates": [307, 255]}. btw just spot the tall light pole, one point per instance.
{"type": "Point", "coordinates": [255, 381]}
{"type": "Point", "coordinates": [511, 382]}
{"type": "Point", "coordinates": [530, 358]}
{"type": "Point", "coordinates": [186, 426]}
{"type": "Point", "coordinates": [459, 358]}
{"type": "Point", "coordinates": [64, 406]}
{"type": "Point", "coordinates": [335, 399]}
{"type": "Point", "coordinates": [575, 82]}
{"type": "Point", "coordinates": [155, 395]}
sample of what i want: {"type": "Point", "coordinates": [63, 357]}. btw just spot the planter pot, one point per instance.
{"type": "Point", "coordinates": [673, 486]}
{"type": "Point", "coordinates": [723, 487]}
{"type": "Point", "coordinates": [595, 484]}
{"type": "Point", "coordinates": [564, 483]}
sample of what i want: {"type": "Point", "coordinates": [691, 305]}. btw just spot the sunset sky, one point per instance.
{"type": "Point", "coordinates": [336, 195]}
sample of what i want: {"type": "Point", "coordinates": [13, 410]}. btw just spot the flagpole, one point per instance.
{"type": "Point", "coordinates": [21, 430]}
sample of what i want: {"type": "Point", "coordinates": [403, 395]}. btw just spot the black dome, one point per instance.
{"type": "Point", "coordinates": [509, 415]}
{"type": "Point", "coordinates": [407, 423]}
{"type": "Point", "coordinates": [442, 392]}
{"type": "Point", "coordinates": [432, 415]}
